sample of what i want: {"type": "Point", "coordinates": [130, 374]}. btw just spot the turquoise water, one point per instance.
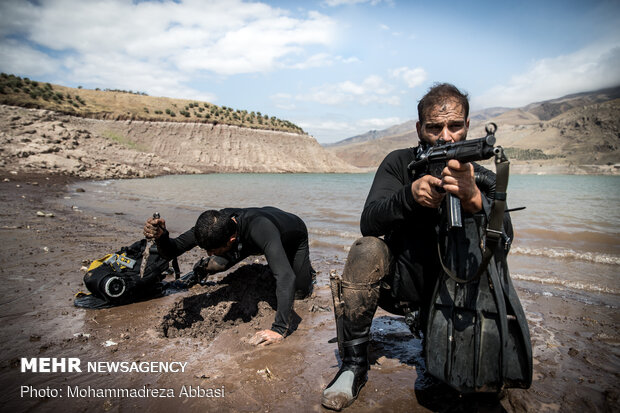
{"type": "Point", "coordinates": [566, 238]}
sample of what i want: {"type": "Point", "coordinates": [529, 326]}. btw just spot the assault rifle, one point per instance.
{"type": "Point", "coordinates": [434, 159]}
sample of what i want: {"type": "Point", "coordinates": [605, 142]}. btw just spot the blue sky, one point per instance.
{"type": "Point", "coordinates": [336, 68]}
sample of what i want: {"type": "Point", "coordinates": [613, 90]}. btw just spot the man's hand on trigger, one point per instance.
{"type": "Point", "coordinates": [266, 337]}
{"type": "Point", "coordinates": [458, 179]}
{"type": "Point", "coordinates": [154, 228]}
{"type": "Point", "coordinates": [424, 191]}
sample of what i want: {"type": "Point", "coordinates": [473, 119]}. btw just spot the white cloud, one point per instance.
{"type": "Point", "coordinates": [114, 69]}
{"type": "Point", "coordinates": [327, 125]}
{"type": "Point", "coordinates": [412, 77]}
{"type": "Point", "coordinates": [352, 59]}
{"type": "Point", "coordinates": [380, 123]}
{"type": "Point", "coordinates": [387, 28]}
{"type": "Point", "coordinates": [283, 101]}
{"type": "Point", "coordinates": [334, 3]}
{"type": "Point", "coordinates": [17, 58]}
{"type": "Point", "coordinates": [372, 89]}
{"type": "Point", "coordinates": [259, 45]}
{"type": "Point", "coordinates": [320, 60]}
{"type": "Point", "coordinates": [158, 46]}
{"type": "Point", "coordinates": [591, 68]}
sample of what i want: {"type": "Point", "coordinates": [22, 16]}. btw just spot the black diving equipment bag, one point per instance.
{"type": "Point", "coordinates": [116, 279]}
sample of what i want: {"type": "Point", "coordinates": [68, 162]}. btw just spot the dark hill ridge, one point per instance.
{"type": "Point", "coordinates": [484, 114]}
{"type": "Point", "coordinates": [551, 108]}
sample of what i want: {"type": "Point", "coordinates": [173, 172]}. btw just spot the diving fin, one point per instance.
{"type": "Point", "coordinates": [477, 335]}
{"type": "Point", "coordinates": [88, 300]}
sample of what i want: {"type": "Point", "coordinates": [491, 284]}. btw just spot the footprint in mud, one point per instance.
{"type": "Point", "coordinates": [241, 296]}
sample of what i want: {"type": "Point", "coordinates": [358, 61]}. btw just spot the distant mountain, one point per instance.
{"type": "Point", "coordinates": [486, 114]}
{"type": "Point", "coordinates": [370, 153]}
{"type": "Point", "coordinates": [409, 128]}
{"type": "Point", "coordinates": [582, 128]}
{"type": "Point", "coordinates": [552, 108]}
{"type": "Point", "coordinates": [406, 127]}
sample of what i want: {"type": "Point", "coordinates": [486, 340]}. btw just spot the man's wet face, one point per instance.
{"type": "Point", "coordinates": [446, 121]}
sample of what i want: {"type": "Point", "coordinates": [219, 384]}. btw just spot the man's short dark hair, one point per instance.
{"type": "Point", "coordinates": [438, 93]}
{"type": "Point", "coordinates": [213, 229]}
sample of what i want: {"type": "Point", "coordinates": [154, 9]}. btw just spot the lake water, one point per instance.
{"type": "Point", "coordinates": [567, 240]}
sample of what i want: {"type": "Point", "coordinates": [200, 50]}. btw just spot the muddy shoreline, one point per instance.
{"type": "Point", "coordinates": [576, 345]}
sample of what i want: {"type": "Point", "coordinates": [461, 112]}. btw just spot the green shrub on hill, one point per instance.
{"type": "Point", "coordinates": [131, 92]}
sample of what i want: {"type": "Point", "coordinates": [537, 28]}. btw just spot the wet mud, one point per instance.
{"type": "Point", "coordinates": [240, 297]}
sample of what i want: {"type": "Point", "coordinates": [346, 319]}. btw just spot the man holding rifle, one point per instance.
{"type": "Point", "coordinates": [398, 272]}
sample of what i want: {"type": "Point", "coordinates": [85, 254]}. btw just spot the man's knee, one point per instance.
{"type": "Point", "coordinates": [369, 260]}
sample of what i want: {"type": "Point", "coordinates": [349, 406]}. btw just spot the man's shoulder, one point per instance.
{"type": "Point", "coordinates": [231, 211]}
{"type": "Point", "coordinates": [403, 153]}
{"type": "Point", "coordinates": [263, 215]}
{"type": "Point", "coordinates": [251, 213]}
{"type": "Point", "coordinates": [264, 212]}
{"type": "Point", "coordinates": [398, 159]}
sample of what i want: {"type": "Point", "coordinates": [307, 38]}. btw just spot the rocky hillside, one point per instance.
{"type": "Point", "coordinates": [37, 140]}
{"type": "Point", "coordinates": [581, 129]}
{"type": "Point", "coordinates": [551, 108]}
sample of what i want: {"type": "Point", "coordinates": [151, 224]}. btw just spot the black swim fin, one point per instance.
{"type": "Point", "coordinates": [477, 335]}
{"type": "Point", "coordinates": [88, 300]}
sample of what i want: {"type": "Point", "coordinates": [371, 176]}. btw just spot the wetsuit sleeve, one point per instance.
{"type": "Point", "coordinates": [390, 198]}
{"type": "Point", "coordinates": [170, 248]}
{"type": "Point", "coordinates": [267, 237]}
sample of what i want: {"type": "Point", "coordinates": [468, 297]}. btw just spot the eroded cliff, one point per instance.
{"type": "Point", "coordinates": [35, 140]}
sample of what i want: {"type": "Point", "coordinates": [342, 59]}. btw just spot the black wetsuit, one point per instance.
{"type": "Point", "coordinates": [281, 236]}
{"type": "Point", "coordinates": [410, 229]}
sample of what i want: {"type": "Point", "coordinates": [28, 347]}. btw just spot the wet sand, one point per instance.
{"type": "Point", "coordinates": [575, 345]}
